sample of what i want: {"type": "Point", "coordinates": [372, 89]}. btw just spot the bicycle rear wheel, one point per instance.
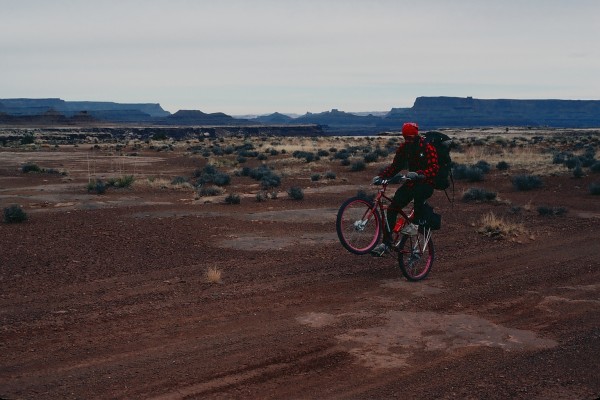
{"type": "Point", "coordinates": [358, 225]}
{"type": "Point", "coordinates": [416, 255]}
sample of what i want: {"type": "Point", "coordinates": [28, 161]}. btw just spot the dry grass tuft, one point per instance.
{"type": "Point", "coordinates": [213, 275]}
{"type": "Point", "coordinates": [162, 183]}
{"type": "Point", "coordinates": [529, 159]}
{"type": "Point", "coordinates": [497, 228]}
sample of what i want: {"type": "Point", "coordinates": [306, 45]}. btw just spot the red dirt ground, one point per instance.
{"type": "Point", "coordinates": [106, 296]}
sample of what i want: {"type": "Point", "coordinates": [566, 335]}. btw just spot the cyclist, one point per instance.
{"type": "Point", "coordinates": [422, 161]}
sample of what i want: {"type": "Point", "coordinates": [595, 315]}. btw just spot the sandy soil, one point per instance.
{"type": "Point", "coordinates": [107, 296]}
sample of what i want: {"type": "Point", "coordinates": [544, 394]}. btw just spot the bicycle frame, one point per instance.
{"type": "Point", "coordinates": [382, 204]}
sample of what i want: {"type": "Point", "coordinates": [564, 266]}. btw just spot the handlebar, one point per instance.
{"type": "Point", "coordinates": [397, 179]}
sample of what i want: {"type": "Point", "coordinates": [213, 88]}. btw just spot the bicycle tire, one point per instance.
{"type": "Point", "coordinates": [357, 234]}
{"type": "Point", "coordinates": [412, 263]}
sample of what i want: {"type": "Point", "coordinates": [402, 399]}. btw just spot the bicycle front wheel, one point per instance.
{"type": "Point", "coordinates": [358, 225]}
{"type": "Point", "coordinates": [416, 255]}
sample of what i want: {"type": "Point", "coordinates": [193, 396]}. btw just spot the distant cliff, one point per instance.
{"type": "Point", "coordinates": [195, 117]}
{"type": "Point", "coordinates": [428, 112]}
{"type": "Point", "coordinates": [440, 112]}
{"type": "Point", "coordinates": [117, 112]}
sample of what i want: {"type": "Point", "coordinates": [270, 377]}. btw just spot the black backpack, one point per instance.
{"type": "Point", "coordinates": [441, 142]}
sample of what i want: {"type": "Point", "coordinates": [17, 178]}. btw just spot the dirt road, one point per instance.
{"type": "Point", "coordinates": [106, 296]}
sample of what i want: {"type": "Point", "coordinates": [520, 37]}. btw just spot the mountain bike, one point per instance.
{"type": "Point", "coordinates": [360, 224]}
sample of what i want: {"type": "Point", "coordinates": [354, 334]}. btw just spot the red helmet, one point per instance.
{"type": "Point", "coordinates": [410, 129]}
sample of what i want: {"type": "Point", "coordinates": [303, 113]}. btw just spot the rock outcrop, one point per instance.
{"type": "Point", "coordinates": [429, 112]}
{"type": "Point", "coordinates": [97, 109]}
{"type": "Point", "coordinates": [451, 112]}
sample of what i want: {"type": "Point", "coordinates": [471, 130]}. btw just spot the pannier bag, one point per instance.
{"type": "Point", "coordinates": [433, 219]}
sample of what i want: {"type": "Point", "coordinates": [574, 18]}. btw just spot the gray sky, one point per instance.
{"type": "Point", "coordinates": [262, 56]}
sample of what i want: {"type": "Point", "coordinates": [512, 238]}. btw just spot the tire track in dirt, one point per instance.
{"type": "Point", "coordinates": [254, 373]}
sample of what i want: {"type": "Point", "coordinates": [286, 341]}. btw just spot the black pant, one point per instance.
{"type": "Point", "coordinates": [419, 193]}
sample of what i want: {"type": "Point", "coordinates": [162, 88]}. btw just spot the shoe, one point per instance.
{"type": "Point", "coordinates": [380, 250]}
{"type": "Point", "coordinates": [409, 229]}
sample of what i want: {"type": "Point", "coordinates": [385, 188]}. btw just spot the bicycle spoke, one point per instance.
{"type": "Point", "coordinates": [416, 255]}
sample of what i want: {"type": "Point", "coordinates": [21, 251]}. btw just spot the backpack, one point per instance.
{"type": "Point", "coordinates": [441, 142]}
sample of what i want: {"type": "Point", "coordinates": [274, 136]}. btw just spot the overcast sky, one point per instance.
{"type": "Point", "coordinates": [262, 56]}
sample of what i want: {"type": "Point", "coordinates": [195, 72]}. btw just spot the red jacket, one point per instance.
{"type": "Point", "coordinates": [424, 161]}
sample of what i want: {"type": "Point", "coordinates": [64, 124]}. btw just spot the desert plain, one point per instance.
{"type": "Point", "coordinates": [136, 276]}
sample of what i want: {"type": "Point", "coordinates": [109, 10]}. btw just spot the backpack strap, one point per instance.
{"type": "Point", "coordinates": [446, 190]}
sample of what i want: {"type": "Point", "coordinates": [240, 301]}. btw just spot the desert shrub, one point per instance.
{"type": "Point", "coordinates": [551, 211]}
{"type": "Point", "coordinates": [322, 153]}
{"type": "Point", "coordinates": [14, 214]}
{"type": "Point", "coordinates": [232, 198]}
{"type": "Point", "coordinates": [210, 174]}
{"type": "Point", "coordinates": [265, 175]}
{"type": "Point", "coordinates": [370, 157]}
{"type": "Point", "coordinates": [381, 152]}
{"type": "Point", "coordinates": [573, 162]}
{"type": "Point", "coordinates": [269, 181]}
{"type": "Point", "coordinates": [358, 166]}
{"type": "Point", "coordinates": [578, 172]}
{"type": "Point", "coordinates": [96, 186]}
{"type": "Point", "coordinates": [273, 152]}
{"type": "Point", "coordinates": [244, 146]}
{"type": "Point", "coordinates": [478, 194]}
{"type": "Point", "coordinates": [307, 155]}
{"type": "Point", "coordinates": [589, 156]}
{"type": "Point", "coordinates": [330, 175]}
{"type": "Point", "coordinates": [209, 169]}
{"type": "Point", "coordinates": [228, 150]}
{"type": "Point", "coordinates": [483, 165]}
{"type": "Point", "coordinates": [261, 196]}
{"type": "Point", "coordinates": [217, 151]}
{"type": "Point", "coordinates": [468, 173]}
{"type": "Point", "coordinates": [560, 157]}
{"type": "Point", "coordinates": [345, 162]}
{"type": "Point", "coordinates": [262, 157]}
{"type": "Point", "coordinates": [315, 177]}
{"type": "Point", "coordinates": [256, 173]}
{"type": "Point", "coordinates": [595, 167]}
{"type": "Point", "coordinates": [341, 155]}
{"type": "Point", "coordinates": [241, 160]}
{"type": "Point", "coordinates": [295, 193]}
{"type": "Point", "coordinates": [30, 167]}
{"type": "Point", "coordinates": [247, 153]}
{"type": "Point", "coordinates": [526, 182]}
{"type": "Point", "coordinates": [160, 136]}
{"type": "Point", "coordinates": [210, 191]}
{"type": "Point", "coordinates": [28, 139]}
{"type": "Point", "coordinates": [221, 179]}
{"type": "Point", "coordinates": [595, 188]}
{"type": "Point", "coordinates": [178, 180]}
{"type": "Point", "coordinates": [502, 166]}
{"type": "Point", "coordinates": [122, 181]}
